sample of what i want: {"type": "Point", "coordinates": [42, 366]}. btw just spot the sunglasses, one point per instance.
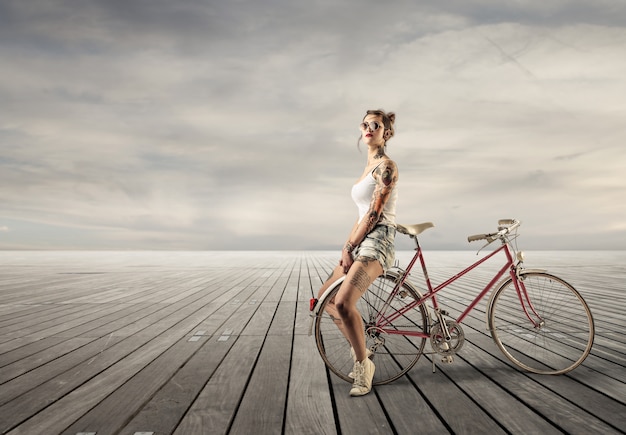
{"type": "Point", "coordinates": [373, 125]}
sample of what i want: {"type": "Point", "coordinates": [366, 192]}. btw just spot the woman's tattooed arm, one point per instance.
{"type": "Point", "coordinates": [386, 176]}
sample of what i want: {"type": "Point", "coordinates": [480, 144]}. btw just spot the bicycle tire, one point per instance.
{"type": "Point", "coordinates": [393, 354]}
{"type": "Point", "coordinates": [557, 346]}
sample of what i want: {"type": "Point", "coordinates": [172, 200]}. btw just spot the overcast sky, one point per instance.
{"type": "Point", "coordinates": [227, 124]}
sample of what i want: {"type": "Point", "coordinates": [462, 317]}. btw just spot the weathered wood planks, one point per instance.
{"type": "Point", "coordinates": [216, 342]}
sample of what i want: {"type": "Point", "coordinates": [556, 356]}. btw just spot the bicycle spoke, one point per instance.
{"type": "Point", "coordinates": [564, 335]}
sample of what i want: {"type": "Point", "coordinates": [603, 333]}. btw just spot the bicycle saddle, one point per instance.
{"type": "Point", "coordinates": [414, 230]}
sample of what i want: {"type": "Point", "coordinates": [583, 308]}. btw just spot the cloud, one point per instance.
{"type": "Point", "coordinates": [190, 125]}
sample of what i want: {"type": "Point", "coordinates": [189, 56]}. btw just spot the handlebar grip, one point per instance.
{"type": "Point", "coordinates": [476, 237]}
{"type": "Point", "coordinates": [506, 221]}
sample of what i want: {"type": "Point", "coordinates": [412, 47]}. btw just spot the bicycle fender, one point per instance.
{"type": "Point", "coordinates": [316, 309]}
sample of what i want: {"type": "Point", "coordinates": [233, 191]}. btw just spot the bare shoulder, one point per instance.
{"type": "Point", "coordinates": [389, 165]}
{"type": "Point", "coordinates": [387, 172]}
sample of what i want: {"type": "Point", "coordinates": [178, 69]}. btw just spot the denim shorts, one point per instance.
{"type": "Point", "coordinates": [379, 245]}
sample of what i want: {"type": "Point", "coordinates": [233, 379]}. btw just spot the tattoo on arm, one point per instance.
{"type": "Point", "coordinates": [386, 176]}
{"type": "Point", "coordinates": [360, 280]}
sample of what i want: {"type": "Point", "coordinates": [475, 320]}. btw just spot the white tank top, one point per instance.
{"type": "Point", "coordinates": [362, 193]}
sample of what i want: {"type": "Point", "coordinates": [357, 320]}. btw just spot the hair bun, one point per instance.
{"type": "Point", "coordinates": [392, 117]}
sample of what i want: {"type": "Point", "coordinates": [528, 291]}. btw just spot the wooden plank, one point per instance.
{"type": "Point", "coordinates": [132, 369]}
{"type": "Point", "coordinates": [561, 412]}
{"type": "Point", "coordinates": [408, 410]}
{"type": "Point", "coordinates": [95, 328]}
{"type": "Point", "coordinates": [56, 347]}
{"type": "Point", "coordinates": [309, 406]}
{"type": "Point", "coordinates": [64, 325]}
{"type": "Point", "coordinates": [93, 349]}
{"type": "Point", "coordinates": [609, 410]}
{"type": "Point", "coordinates": [358, 415]}
{"type": "Point", "coordinates": [162, 413]}
{"type": "Point", "coordinates": [65, 381]}
{"type": "Point", "coordinates": [262, 408]}
{"type": "Point", "coordinates": [270, 376]}
{"type": "Point", "coordinates": [27, 350]}
{"type": "Point", "coordinates": [283, 321]}
{"type": "Point", "coordinates": [496, 401]}
{"type": "Point", "coordinates": [17, 312]}
{"type": "Point", "coordinates": [456, 408]}
{"type": "Point", "coordinates": [135, 353]}
{"type": "Point", "coordinates": [214, 408]}
{"type": "Point", "coordinates": [126, 400]}
{"type": "Point", "coordinates": [261, 319]}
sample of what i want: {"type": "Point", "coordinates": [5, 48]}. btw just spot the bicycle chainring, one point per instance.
{"type": "Point", "coordinates": [438, 341]}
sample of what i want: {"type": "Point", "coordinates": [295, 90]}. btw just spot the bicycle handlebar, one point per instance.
{"type": "Point", "coordinates": [477, 237]}
{"type": "Point", "coordinates": [505, 226]}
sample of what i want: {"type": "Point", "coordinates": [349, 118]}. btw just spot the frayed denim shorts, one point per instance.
{"type": "Point", "coordinates": [379, 245]}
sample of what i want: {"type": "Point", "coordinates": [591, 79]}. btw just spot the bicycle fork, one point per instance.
{"type": "Point", "coordinates": [525, 301]}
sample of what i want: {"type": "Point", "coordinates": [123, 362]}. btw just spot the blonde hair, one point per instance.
{"type": "Point", "coordinates": [389, 119]}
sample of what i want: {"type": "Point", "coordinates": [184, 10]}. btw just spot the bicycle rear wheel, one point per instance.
{"type": "Point", "coordinates": [392, 353]}
{"type": "Point", "coordinates": [564, 334]}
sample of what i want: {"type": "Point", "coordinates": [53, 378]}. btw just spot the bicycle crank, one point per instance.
{"type": "Point", "coordinates": [447, 348]}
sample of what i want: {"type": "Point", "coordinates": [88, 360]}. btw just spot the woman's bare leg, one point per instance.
{"type": "Point", "coordinates": [361, 274]}
{"type": "Point", "coordinates": [331, 309]}
{"type": "Point", "coordinates": [334, 276]}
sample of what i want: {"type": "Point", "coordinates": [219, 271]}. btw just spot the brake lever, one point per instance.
{"type": "Point", "coordinates": [490, 240]}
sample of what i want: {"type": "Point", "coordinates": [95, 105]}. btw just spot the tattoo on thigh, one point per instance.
{"type": "Point", "coordinates": [360, 280]}
{"type": "Point", "coordinates": [365, 260]}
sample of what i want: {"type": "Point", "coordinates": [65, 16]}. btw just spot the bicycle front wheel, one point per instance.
{"type": "Point", "coordinates": [388, 330]}
{"type": "Point", "coordinates": [561, 332]}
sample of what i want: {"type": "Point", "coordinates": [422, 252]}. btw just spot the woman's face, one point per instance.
{"type": "Point", "coordinates": [369, 134]}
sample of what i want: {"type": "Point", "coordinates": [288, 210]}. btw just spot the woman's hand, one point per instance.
{"type": "Point", "coordinates": [346, 260]}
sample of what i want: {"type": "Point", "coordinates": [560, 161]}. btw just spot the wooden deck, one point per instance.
{"type": "Point", "coordinates": [217, 342]}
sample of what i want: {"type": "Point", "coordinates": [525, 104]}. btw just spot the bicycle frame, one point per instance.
{"type": "Point", "coordinates": [431, 294]}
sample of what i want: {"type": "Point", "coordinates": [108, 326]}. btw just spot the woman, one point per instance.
{"type": "Point", "coordinates": [369, 249]}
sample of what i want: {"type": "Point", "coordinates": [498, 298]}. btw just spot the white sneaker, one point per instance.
{"type": "Point", "coordinates": [363, 375]}
{"type": "Point", "coordinates": [368, 352]}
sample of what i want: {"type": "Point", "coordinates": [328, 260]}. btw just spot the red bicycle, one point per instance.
{"type": "Point", "coordinates": [539, 321]}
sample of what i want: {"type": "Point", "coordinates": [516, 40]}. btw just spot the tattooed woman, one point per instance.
{"type": "Point", "coordinates": [369, 249]}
